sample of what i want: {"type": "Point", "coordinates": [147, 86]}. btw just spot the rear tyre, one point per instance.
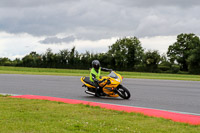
{"type": "Point", "coordinates": [123, 92]}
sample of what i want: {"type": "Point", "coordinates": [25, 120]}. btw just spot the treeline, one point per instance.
{"type": "Point", "coordinates": [125, 54]}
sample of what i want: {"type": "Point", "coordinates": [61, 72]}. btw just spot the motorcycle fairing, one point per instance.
{"type": "Point", "coordinates": [87, 82]}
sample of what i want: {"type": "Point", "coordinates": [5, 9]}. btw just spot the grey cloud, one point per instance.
{"type": "Point", "coordinates": [56, 40]}
{"type": "Point", "coordinates": [33, 3]}
{"type": "Point", "coordinates": [99, 19]}
{"type": "Point", "coordinates": [154, 3]}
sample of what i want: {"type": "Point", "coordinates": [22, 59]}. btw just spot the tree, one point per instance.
{"type": "Point", "coordinates": [5, 61]}
{"type": "Point", "coordinates": [194, 61]}
{"type": "Point", "coordinates": [165, 64]}
{"type": "Point", "coordinates": [74, 58]}
{"type": "Point", "coordinates": [181, 50]}
{"type": "Point", "coordinates": [32, 60]}
{"type": "Point", "coordinates": [106, 60]}
{"type": "Point", "coordinates": [86, 60]}
{"type": "Point", "coordinates": [63, 57]}
{"type": "Point", "coordinates": [151, 60]}
{"type": "Point", "coordinates": [49, 59]}
{"type": "Point", "coordinates": [17, 62]}
{"type": "Point", "coordinates": [126, 52]}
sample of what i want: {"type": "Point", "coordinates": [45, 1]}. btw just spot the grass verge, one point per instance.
{"type": "Point", "coordinates": [23, 115]}
{"type": "Point", "coordinates": [75, 72]}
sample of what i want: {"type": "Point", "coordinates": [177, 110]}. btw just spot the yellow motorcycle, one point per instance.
{"type": "Point", "coordinates": [111, 86]}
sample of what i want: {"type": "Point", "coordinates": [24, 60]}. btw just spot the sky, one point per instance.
{"type": "Point", "coordinates": [92, 25]}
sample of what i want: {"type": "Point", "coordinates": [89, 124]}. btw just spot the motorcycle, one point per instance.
{"type": "Point", "coordinates": [111, 86]}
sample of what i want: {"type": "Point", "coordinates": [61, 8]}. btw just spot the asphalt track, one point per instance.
{"type": "Point", "coordinates": [173, 95]}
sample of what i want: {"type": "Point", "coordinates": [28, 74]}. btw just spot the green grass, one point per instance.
{"type": "Point", "coordinates": [75, 72]}
{"type": "Point", "coordinates": [33, 116]}
{"type": "Point", "coordinates": [42, 71]}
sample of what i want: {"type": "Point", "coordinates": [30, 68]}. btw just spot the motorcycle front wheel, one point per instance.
{"type": "Point", "coordinates": [123, 92]}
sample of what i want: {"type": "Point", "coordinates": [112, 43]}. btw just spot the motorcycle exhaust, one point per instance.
{"type": "Point", "coordinates": [90, 93]}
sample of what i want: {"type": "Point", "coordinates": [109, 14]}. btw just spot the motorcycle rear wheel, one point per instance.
{"type": "Point", "coordinates": [123, 92]}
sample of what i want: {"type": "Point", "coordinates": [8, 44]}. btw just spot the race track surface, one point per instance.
{"type": "Point", "coordinates": [173, 95]}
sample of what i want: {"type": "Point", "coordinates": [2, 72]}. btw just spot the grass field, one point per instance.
{"type": "Point", "coordinates": [22, 115]}
{"type": "Point", "coordinates": [74, 72]}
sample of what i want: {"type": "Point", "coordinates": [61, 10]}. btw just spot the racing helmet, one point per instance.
{"type": "Point", "coordinates": [96, 64]}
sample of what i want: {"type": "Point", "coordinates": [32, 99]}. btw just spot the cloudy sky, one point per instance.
{"type": "Point", "coordinates": [92, 25]}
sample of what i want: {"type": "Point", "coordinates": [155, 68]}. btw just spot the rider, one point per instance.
{"type": "Point", "coordinates": [95, 76]}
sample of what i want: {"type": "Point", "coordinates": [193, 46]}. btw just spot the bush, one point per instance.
{"type": "Point", "coordinates": [139, 68]}
{"type": "Point", "coordinates": [194, 70]}
{"type": "Point", "coordinates": [175, 68]}
{"type": "Point", "coordinates": [164, 67]}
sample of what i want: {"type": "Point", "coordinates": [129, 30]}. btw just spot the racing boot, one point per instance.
{"type": "Point", "coordinates": [97, 92]}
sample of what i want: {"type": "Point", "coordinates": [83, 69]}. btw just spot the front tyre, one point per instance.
{"type": "Point", "coordinates": [123, 92]}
